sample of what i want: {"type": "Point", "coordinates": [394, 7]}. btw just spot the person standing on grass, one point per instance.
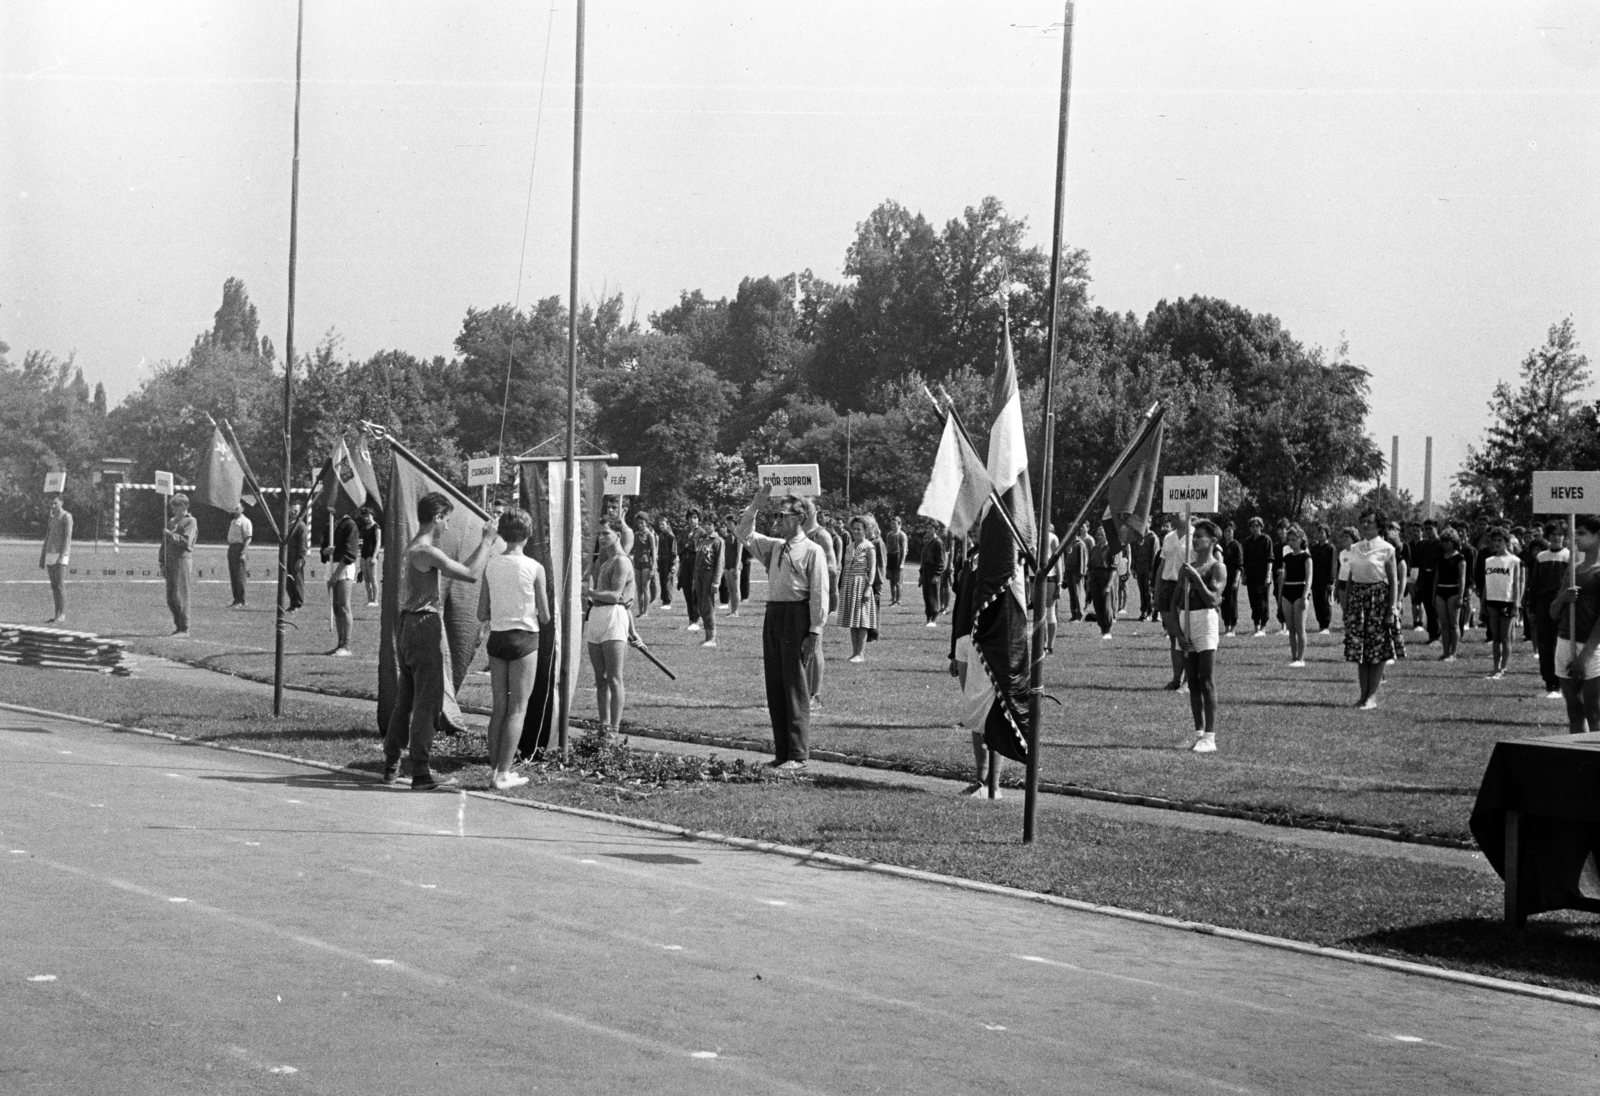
{"type": "Point", "coordinates": [1425, 555]}
{"type": "Point", "coordinates": [816, 664]}
{"type": "Point", "coordinates": [1052, 590]}
{"type": "Point", "coordinates": [1122, 565]}
{"type": "Point", "coordinates": [1200, 583]}
{"type": "Point", "coordinates": [1502, 593]}
{"type": "Point", "coordinates": [419, 641]}
{"type": "Point", "coordinates": [899, 545]}
{"type": "Point", "coordinates": [344, 553]}
{"type": "Point", "coordinates": [177, 562]}
{"type": "Point", "coordinates": [858, 609]}
{"type": "Point", "coordinates": [514, 603]}
{"type": "Point", "coordinates": [797, 611]}
{"type": "Point", "coordinates": [1073, 570]}
{"type": "Point", "coordinates": [294, 585]}
{"type": "Point", "coordinates": [1144, 557]}
{"type": "Point", "coordinates": [1324, 570]}
{"type": "Point", "coordinates": [730, 567]}
{"type": "Point", "coordinates": [240, 532]}
{"type": "Point", "coordinates": [1233, 560]}
{"type": "Point", "coordinates": [1468, 546]}
{"type": "Point", "coordinates": [1279, 543]}
{"type": "Point", "coordinates": [644, 561]}
{"type": "Point", "coordinates": [1258, 553]}
{"type": "Point", "coordinates": [1371, 608]}
{"type": "Point", "coordinates": [686, 548]}
{"type": "Point", "coordinates": [708, 556]}
{"type": "Point", "coordinates": [371, 539]}
{"type": "Point", "coordinates": [1548, 579]}
{"type": "Point", "coordinates": [1449, 581]}
{"type": "Point", "coordinates": [55, 556]}
{"type": "Point", "coordinates": [609, 623]}
{"type": "Point", "coordinates": [1578, 662]}
{"type": "Point", "coordinates": [1101, 564]}
{"type": "Point", "coordinates": [1293, 579]}
{"type": "Point", "coordinates": [1171, 565]}
{"type": "Point", "coordinates": [931, 567]}
{"type": "Point", "coordinates": [666, 558]}
{"type": "Point", "coordinates": [1345, 540]}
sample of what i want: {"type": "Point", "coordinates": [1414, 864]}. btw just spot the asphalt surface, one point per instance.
{"type": "Point", "coordinates": [179, 919]}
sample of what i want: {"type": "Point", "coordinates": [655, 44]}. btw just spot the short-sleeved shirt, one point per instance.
{"type": "Point", "coordinates": [240, 530]}
{"type": "Point", "coordinates": [1500, 577]}
{"type": "Point", "coordinates": [1368, 560]}
{"type": "Point", "coordinates": [1172, 554]}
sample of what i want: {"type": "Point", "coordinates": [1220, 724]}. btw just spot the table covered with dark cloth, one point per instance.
{"type": "Point", "coordinates": [1554, 786]}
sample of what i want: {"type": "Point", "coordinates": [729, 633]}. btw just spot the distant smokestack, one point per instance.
{"type": "Point", "coordinates": [1394, 465]}
{"type": "Point", "coordinates": [1427, 480]}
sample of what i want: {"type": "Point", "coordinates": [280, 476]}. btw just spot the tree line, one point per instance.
{"type": "Point", "coordinates": [790, 369]}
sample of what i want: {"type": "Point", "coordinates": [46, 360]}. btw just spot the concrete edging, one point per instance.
{"type": "Point", "coordinates": [1402, 966]}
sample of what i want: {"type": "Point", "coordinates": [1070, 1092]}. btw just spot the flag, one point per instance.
{"type": "Point", "coordinates": [1131, 488]}
{"type": "Point", "coordinates": [977, 694]}
{"type": "Point", "coordinates": [1008, 449]}
{"type": "Point", "coordinates": [361, 457]}
{"type": "Point", "coordinates": [220, 480]}
{"type": "Point", "coordinates": [544, 505]}
{"type": "Point", "coordinates": [409, 480]}
{"type": "Point", "coordinates": [959, 485]}
{"type": "Point", "coordinates": [1000, 637]}
{"type": "Point", "coordinates": [344, 470]}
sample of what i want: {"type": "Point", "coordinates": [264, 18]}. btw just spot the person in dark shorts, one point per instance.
{"type": "Point", "coordinates": [1578, 652]}
{"type": "Point", "coordinates": [1502, 593]}
{"type": "Point", "coordinates": [371, 538]}
{"type": "Point", "coordinates": [514, 601]}
{"type": "Point", "coordinates": [1293, 580]}
{"type": "Point", "coordinates": [899, 545]}
{"type": "Point", "coordinates": [1450, 580]}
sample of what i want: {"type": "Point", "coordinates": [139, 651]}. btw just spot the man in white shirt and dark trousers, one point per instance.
{"type": "Point", "coordinates": [239, 533]}
{"type": "Point", "coordinates": [797, 610]}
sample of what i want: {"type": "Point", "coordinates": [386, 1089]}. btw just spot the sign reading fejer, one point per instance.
{"type": "Point", "coordinates": [1566, 492]}
{"type": "Point", "coordinates": [164, 483]}
{"type": "Point", "coordinates": [622, 480]}
{"type": "Point", "coordinates": [1189, 494]}
{"type": "Point", "coordinates": [55, 482]}
{"type": "Point", "coordinates": [790, 479]}
{"type": "Point", "coordinates": [482, 470]}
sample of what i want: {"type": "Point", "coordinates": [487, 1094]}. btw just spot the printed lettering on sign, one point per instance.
{"type": "Point", "coordinates": [790, 479]}
{"type": "Point", "coordinates": [622, 480]}
{"type": "Point", "coordinates": [1190, 494]}
{"type": "Point", "coordinates": [1566, 492]}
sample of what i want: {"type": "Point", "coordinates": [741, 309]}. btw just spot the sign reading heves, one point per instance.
{"type": "Point", "coordinates": [1566, 492]}
{"type": "Point", "coordinates": [790, 479]}
{"type": "Point", "coordinates": [1189, 494]}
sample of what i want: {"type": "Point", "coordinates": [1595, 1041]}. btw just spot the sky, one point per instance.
{"type": "Point", "coordinates": [1420, 181]}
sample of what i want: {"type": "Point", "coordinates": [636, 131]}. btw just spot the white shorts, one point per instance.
{"type": "Point", "coordinates": [1205, 628]}
{"type": "Point", "coordinates": [1564, 653]}
{"type": "Point", "coordinates": [606, 624]}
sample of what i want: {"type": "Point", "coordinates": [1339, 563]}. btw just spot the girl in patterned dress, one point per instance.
{"type": "Point", "coordinates": [858, 607]}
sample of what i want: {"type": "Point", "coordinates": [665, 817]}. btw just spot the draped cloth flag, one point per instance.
{"type": "Point", "coordinates": [221, 478]}
{"type": "Point", "coordinates": [361, 457]}
{"type": "Point", "coordinates": [409, 480]}
{"type": "Point", "coordinates": [959, 485]}
{"type": "Point", "coordinates": [344, 472]}
{"type": "Point", "coordinates": [1131, 489]}
{"type": "Point", "coordinates": [1008, 449]}
{"type": "Point", "coordinates": [1000, 637]}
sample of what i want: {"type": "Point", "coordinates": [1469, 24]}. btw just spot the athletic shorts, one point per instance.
{"type": "Point", "coordinates": [1292, 591]}
{"type": "Point", "coordinates": [1164, 591]}
{"type": "Point", "coordinates": [1564, 653]}
{"type": "Point", "coordinates": [513, 644]}
{"type": "Point", "coordinates": [606, 624]}
{"type": "Point", "coordinates": [1205, 628]}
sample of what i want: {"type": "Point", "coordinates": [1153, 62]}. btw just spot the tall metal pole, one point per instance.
{"type": "Point", "coordinates": [1047, 473]}
{"type": "Point", "coordinates": [569, 505]}
{"type": "Point", "coordinates": [288, 374]}
{"type": "Point", "coordinates": [849, 417]}
{"type": "Point", "coordinates": [1427, 478]}
{"type": "Point", "coordinates": [1394, 465]}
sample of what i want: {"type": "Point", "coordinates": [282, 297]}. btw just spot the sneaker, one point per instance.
{"type": "Point", "coordinates": [180, 634]}
{"type": "Point", "coordinates": [1420, 630]}
{"type": "Point", "coordinates": [1553, 694]}
{"type": "Point", "coordinates": [1258, 633]}
{"type": "Point", "coordinates": [858, 658]}
{"type": "Point", "coordinates": [816, 703]}
{"type": "Point", "coordinates": [1105, 635]}
{"type": "Point", "coordinates": [1323, 632]}
{"type": "Point", "coordinates": [339, 652]}
{"type": "Point", "coordinates": [1298, 663]}
{"type": "Point", "coordinates": [709, 643]}
{"type": "Point", "coordinates": [503, 781]}
{"type": "Point", "coordinates": [429, 783]}
{"type": "Point", "coordinates": [391, 772]}
{"type": "Point", "coordinates": [931, 624]}
{"type": "Point", "coordinates": [787, 766]}
{"type": "Point", "coordinates": [372, 604]}
{"type": "Point", "coordinates": [1205, 743]}
{"type": "Point", "coordinates": [695, 627]}
{"type": "Point", "coordinates": [1496, 676]}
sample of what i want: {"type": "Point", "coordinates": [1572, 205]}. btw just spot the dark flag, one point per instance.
{"type": "Point", "coordinates": [220, 480]}
{"type": "Point", "coordinates": [543, 545]}
{"type": "Point", "coordinates": [1131, 488]}
{"type": "Point", "coordinates": [409, 480]}
{"type": "Point", "coordinates": [1000, 637]}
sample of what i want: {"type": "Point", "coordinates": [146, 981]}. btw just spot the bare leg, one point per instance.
{"type": "Point", "coordinates": [614, 653]}
{"type": "Point", "coordinates": [858, 643]}
{"type": "Point", "coordinates": [497, 717]}
{"type": "Point", "coordinates": [602, 693]}
{"type": "Point", "coordinates": [518, 687]}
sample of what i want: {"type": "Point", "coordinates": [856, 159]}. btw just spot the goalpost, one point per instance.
{"type": "Point", "coordinates": [118, 488]}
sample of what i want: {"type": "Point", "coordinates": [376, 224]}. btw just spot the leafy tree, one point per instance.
{"type": "Point", "coordinates": [532, 345]}
{"type": "Point", "coordinates": [48, 423]}
{"type": "Point", "coordinates": [1539, 425]}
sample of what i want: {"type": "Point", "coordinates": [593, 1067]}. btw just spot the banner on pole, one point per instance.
{"type": "Point", "coordinates": [622, 481]}
{"type": "Point", "coordinates": [164, 483]}
{"type": "Point", "coordinates": [55, 483]}
{"type": "Point", "coordinates": [1190, 494]}
{"type": "Point", "coordinates": [790, 479]}
{"type": "Point", "coordinates": [1566, 492]}
{"type": "Point", "coordinates": [483, 470]}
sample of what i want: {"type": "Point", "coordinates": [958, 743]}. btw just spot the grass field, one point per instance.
{"type": "Point", "coordinates": [1291, 744]}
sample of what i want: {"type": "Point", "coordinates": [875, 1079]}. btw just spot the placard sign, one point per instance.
{"type": "Point", "coordinates": [1566, 492]}
{"type": "Point", "coordinates": [790, 479]}
{"type": "Point", "coordinates": [1190, 494]}
{"type": "Point", "coordinates": [482, 470]}
{"type": "Point", "coordinates": [55, 483]}
{"type": "Point", "coordinates": [164, 483]}
{"type": "Point", "coordinates": [622, 480]}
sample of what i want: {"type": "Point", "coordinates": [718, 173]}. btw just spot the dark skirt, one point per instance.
{"type": "Point", "coordinates": [1371, 633]}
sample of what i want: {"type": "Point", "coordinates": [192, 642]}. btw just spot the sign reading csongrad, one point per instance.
{"type": "Point", "coordinates": [790, 479]}
{"type": "Point", "coordinates": [483, 470]}
{"type": "Point", "coordinates": [1566, 492]}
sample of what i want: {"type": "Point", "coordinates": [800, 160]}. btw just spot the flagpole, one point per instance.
{"type": "Point", "coordinates": [1036, 665]}
{"type": "Point", "coordinates": [568, 514]}
{"type": "Point", "coordinates": [288, 371]}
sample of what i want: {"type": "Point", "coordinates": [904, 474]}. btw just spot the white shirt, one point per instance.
{"type": "Point", "coordinates": [515, 583]}
{"type": "Point", "coordinates": [240, 530]}
{"type": "Point", "coordinates": [1368, 559]}
{"type": "Point", "coordinates": [1344, 565]}
{"type": "Point", "coordinates": [1171, 556]}
{"type": "Point", "coordinates": [1502, 576]}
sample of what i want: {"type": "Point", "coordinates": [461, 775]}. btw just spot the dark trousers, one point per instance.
{"type": "Point", "coordinates": [705, 602]}
{"type": "Point", "coordinates": [788, 702]}
{"type": "Point", "coordinates": [1322, 604]}
{"type": "Point", "coordinates": [1100, 596]}
{"type": "Point", "coordinates": [1260, 601]}
{"type": "Point", "coordinates": [1430, 609]}
{"type": "Point", "coordinates": [930, 593]}
{"type": "Point", "coordinates": [664, 569]}
{"type": "Point", "coordinates": [686, 587]}
{"type": "Point", "coordinates": [58, 589]}
{"type": "Point", "coordinates": [236, 572]}
{"type": "Point", "coordinates": [177, 572]}
{"type": "Point", "coordinates": [1074, 586]}
{"type": "Point", "coordinates": [1544, 631]}
{"type": "Point", "coordinates": [295, 582]}
{"type": "Point", "coordinates": [419, 693]}
{"type": "Point", "coordinates": [1147, 604]}
{"type": "Point", "coordinates": [1230, 606]}
{"type": "Point", "coordinates": [340, 594]}
{"type": "Point", "coordinates": [744, 580]}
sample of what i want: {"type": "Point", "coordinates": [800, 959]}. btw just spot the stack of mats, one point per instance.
{"type": "Point", "coordinates": [59, 649]}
